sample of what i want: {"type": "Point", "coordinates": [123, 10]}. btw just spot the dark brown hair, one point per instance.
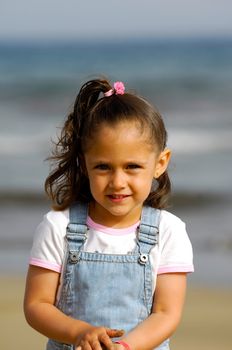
{"type": "Point", "coordinates": [68, 181]}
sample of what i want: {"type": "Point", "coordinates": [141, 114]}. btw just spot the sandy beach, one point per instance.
{"type": "Point", "coordinates": [206, 323]}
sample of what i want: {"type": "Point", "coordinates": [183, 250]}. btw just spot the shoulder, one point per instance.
{"type": "Point", "coordinates": [54, 222]}
{"type": "Point", "coordinates": [57, 218]}
{"type": "Point", "coordinates": [169, 220]}
{"type": "Point", "coordinates": [171, 228]}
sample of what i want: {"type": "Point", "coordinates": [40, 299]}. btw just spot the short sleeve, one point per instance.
{"type": "Point", "coordinates": [175, 248]}
{"type": "Point", "coordinates": [49, 243]}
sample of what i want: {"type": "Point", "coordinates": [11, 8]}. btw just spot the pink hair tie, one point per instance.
{"type": "Point", "coordinates": [118, 89]}
{"type": "Point", "coordinates": [124, 344]}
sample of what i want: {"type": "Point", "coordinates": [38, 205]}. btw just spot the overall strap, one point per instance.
{"type": "Point", "coordinates": [147, 239]}
{"type": "Point", "coordinates": [149, 228]}
{"type": "Point", "coordinates": [77, 228]}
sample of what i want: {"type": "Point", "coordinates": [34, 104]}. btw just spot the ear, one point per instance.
{"type": "Point", "coordinates": [162, 162]}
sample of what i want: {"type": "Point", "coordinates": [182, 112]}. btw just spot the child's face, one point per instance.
{"type": "Point", "coordinates": [121, 163]}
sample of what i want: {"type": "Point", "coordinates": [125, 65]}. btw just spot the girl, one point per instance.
{"type": "Point", "coordinates": [108, 265]}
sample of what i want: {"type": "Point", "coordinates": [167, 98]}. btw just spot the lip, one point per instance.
{"type": "Point", "coordinates": [117, 198]}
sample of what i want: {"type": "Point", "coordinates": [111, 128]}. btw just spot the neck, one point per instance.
{"type": "Point", "coordinates": [103, 217]}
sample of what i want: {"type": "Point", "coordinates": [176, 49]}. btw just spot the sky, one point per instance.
{"type": "Point", "coordinates": [97, 19]}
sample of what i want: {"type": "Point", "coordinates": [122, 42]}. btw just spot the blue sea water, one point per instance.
{"type": "Point", "coordinates": [189, 81]}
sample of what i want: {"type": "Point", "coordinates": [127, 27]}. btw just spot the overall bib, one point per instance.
{"type": "Point", "coordinates": [108, 290]}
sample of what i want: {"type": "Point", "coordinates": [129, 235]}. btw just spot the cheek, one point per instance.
{"type": "Point", "coordinates": [148, 186]}
{"type": "Point", "coordinates": [96, 183]}
{"type": "Point", "coordinates": [144, 183]}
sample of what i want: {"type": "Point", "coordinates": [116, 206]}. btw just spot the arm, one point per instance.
{"type": "Point", "coordinates": [42, 314]}
{"type": "Point", "coordinates": [166, 313]}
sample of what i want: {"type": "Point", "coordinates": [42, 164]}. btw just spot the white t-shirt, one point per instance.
{"type": "Point", "coordinates": [173, 253]}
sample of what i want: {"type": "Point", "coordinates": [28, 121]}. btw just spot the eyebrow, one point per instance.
{"type": "Point", "coordinates": [130, 161]}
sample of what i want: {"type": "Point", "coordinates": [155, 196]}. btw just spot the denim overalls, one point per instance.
{"type": "Point", "coordinates": [108, 290]}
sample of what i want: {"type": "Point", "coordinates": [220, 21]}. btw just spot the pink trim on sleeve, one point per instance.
{"type": "Point", "coordinates": [168, 269]}
{"type": "Point", "coordinates": [45, 264]}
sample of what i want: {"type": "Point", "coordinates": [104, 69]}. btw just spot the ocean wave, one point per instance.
{"type": "Point", "coordinates": [35, 88]}
{"type": "Point", "coordinates": [200, 141]}
{"type": "Point", "coordinates": [177, 85]}
{"type": "Point", "coordinates": [23, 145]}
{"type": "Point", "coordinates": [181, 141]}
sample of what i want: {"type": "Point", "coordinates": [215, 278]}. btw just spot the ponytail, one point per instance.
{"type": "Point", "coordinates": [159, 197]}
{"type": "Point", "coordinates": [67, 182]}
{"type": "Point", "coordinates": [87, 98]}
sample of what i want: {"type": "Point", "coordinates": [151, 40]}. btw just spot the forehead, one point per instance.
{"type": "Point", "coordinates": [121, 131]}
{"type": "Point", "coordinates": [123, 138]}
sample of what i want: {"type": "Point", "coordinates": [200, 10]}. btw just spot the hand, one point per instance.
{"type": "Point", "coordinates": [115, 347]}
{"type": "Point", "coordinates": [98, 338]}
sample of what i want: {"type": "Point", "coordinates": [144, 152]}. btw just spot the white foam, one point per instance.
{"type": "Point", "coordinates": [19, 145]}
{"type": "Point", "coordinates": [180, 141]}
{"type": "Point", "coordinates": [200, 141]}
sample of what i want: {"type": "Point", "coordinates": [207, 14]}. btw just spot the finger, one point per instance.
{"type": "Point", "coordinates": [106, 341]}
{"type": "Point", "coordinates": [95, 345]}
{"type": "Point", "coordinates": [85, 345]}
{"type": "Point", "coordinates": [114, 333]}
{"type": "Point", "coordinates": [79, 348]}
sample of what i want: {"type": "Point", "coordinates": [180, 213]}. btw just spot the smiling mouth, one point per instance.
{"type": "Point", "coordinates": [117, 197]}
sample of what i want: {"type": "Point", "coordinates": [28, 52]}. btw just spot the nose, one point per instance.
{"type": "Point", "coordinates": [117, 180]}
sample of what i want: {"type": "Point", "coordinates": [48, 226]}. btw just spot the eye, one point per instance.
{"type": "Point", "coordinates": [133, 166]}
{"type": "Point", "coordinates": [102, 167]}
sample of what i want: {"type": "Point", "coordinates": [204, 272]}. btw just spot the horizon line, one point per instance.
{"type": "Point", "coordinates": [116, 40]}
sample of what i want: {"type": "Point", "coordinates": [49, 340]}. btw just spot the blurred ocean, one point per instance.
{"type": "Point", "coordinates": [191, 84]}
